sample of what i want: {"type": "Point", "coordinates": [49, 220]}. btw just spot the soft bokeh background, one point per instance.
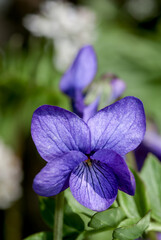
{"type": "Point", "coordinates": [126, 35]}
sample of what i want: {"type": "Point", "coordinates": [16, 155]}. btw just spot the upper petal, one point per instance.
{"type": "Point", "coordinates": [54, 177]}
{"type": "Point", "coordinates": [56, 131]}
{"type": "Point", "coordinates": [81, 72]}
{"type": "Point", "coordinates": [126, 180]}
{"type": "Point", "coordinates": [120, 126]}
{"type": "Point", "coordinates": [93, 186]}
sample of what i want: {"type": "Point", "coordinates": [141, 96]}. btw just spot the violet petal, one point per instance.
{"type": "Point", "coordinates": [81, 72]}
{"type": "Point", "coordinates": [54, 177]}
{"type": "Point", "coordinates": [119, 127]}
{"type": "Point", "coordinates": [94, 186]}
{"type": "Point", "coordinates": [126, 181]}
{"type": "Point", "coordinates": [56, 131]}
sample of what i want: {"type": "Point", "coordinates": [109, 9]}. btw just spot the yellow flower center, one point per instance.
{"type": "Point", "coordinates": [88, 161]}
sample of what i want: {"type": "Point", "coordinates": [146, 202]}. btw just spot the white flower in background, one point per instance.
{"type": "Point", "coordinates": [70, 27]}
{"type": "Point", "coordinates": [10, 176]}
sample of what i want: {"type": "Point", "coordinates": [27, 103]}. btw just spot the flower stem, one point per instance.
{"type": "Point", "coordinates": [58, 218]}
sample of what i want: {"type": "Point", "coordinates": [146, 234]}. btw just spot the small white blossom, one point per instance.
{"type": "Point", "coordinates": [10, 176]}
{"type": "Point", "coordinates": [70, 27]}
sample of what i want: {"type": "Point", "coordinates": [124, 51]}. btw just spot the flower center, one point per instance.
{"type": "Point", "coordinates": [88, 161]}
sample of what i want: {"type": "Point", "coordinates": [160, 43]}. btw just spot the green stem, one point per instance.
{"type": "Point", "coordinates": [58, 218]}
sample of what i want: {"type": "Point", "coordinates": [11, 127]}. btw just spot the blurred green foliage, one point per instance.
{"type": "Point", "coordinates": [132, 53]}
{"type": "Point", "coordinates": [27, 80]}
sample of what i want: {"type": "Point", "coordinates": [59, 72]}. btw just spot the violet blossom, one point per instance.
{"type": "Point", "coordinates": [88, 156]}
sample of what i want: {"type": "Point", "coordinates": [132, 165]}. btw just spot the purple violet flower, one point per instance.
{"type": "Point", "coordinates": [88, 156]}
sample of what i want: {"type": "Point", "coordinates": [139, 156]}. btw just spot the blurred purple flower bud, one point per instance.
{"type": "Point", "coordinates": [81, 73]}
{"type": "Point", "coordinates": [118, 87]}
{"type": "Point", "coordinates": [150, 144]}
{"type": "Point", "coordinates": [109, 88]}
{"type": "Point", "coordinates": [77, 78]}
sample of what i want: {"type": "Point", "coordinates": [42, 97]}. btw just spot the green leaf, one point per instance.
{"type": "Point", "coordinates": [109, 218]}
{"type": "Point", "coordinates": [151, 174]}
{"type": "Point", "coordinates": [128, 221]}
{"type": "Point", "coordinates": [73, 224]}
{"type": "Point", "coordinates": [41, 236]}
{"type": "Point", "coordinates": [134, 231]}
{"type": "Point", "coordinates": [76, 207]}
{"type": "Point", "coordinates": [154, 226]}
{"type": "Point", "coordinates": [47, 207]}
{"type": "Point", "coordinates": [115, 204]}
{"type": "Point", "coordinates": [138, 205]}
{"type": "Point", "coordinates": [73, 220]}
{"type": "Point", "coordinates": [102, 234]}
{"type": "Point", "coordinates": [69, 232]}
